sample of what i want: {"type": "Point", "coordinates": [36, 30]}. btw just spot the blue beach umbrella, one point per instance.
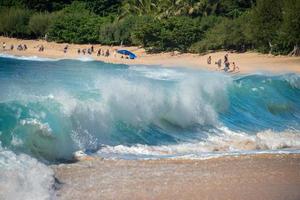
{"type": "Point", "coordinates": [127, 53]}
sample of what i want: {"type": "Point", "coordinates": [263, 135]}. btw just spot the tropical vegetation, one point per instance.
{"type": "Point", "coordinates": [199, 26]}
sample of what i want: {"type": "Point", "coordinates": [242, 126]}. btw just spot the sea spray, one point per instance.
{"type": "Point", "coordinates": [23, 177]}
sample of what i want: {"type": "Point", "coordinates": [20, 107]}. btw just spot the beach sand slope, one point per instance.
{"type": "Point", "coordinates": [259, 177]}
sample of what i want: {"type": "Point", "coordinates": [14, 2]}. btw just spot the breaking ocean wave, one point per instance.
{"type": "Point", "coordinates": [49, 110]}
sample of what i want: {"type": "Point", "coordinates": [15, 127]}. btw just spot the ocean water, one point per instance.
{"type": "Point", "coordinates": [50, 109]}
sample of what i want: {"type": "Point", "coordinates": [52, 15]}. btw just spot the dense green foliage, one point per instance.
{"type": "Point", "coordinates": [39, 23]}
{"type": "Point", "coordinates": [269, 26]}
{"type": "Point", "coordinates": [75, 24]}
{"type": "Point", "coordinates": [14, 22]}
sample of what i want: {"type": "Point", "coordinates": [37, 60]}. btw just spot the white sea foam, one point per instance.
{"type": "Point", "coordinates": [35, 122]}
{"type": "Point", "coordinates": [33, 58]}
{"type": "Point", "coordinates": [191, 101]}
{"type": "Point", "coordinates": [85, 58]}
{"type": "Point", "coordinates": [41, 59]}
{"type": "Point", "coordinates": [293, 79]}
{"type": "Point", "coordinates": [158, 73]}
{"type": "Point", "coordinates": [225, 143]}
{"type": "Point", "coordinates": [23, 177]}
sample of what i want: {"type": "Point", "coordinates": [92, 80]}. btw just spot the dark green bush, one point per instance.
{"type": "Point", "coordinates": [227, 34]}
{"type": "Point", "coordinates": [175, 33]}
{"type": "Point", "coordinates": [75, 24]}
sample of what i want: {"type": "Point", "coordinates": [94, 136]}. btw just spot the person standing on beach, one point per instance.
{"type": "Point", "coordinates": [226, 68]}
{"type": "Point", "coordinates": [11, 47]}
{"type": "Point", "coordinates": [25, 47]}
{"type": "Point", "coordinates": [66, 49]}
{"type": "Point", "coordinates": [99, 52]}
{"type": "Point", "coordinates": [226, 58]}
{"type": "Point", "coordinates": [209, 60]}
{"type": "Point", "coordinates": [115, 52]}
{"type": "Point", "coordinates": [92, 49]}
{"type": "Point", "coordinates": [78, 51]}
{"type": "Point", "coordinates": [226, 63]}
{"type": "Point", "coordinates": [41, 48]}
{"type": "Point", "coordinates": [3, 45]}
{"type": "Point", "coordinates": [107, 53]}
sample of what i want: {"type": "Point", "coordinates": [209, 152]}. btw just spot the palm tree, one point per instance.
{"type": "Point", "coordinates": [168, 8]}
{"type": "Point", "coordinates": [139, 7]}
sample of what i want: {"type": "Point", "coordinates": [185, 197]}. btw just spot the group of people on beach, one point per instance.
{"type": "Point", "coordinates": [20, 47]}
{"type": "Point", "coordinates": [100, 52]}
{"type": "Point", "coordinates": [85, 51]}
{"type": "Point", "coordinates": [228, 67]}
{"type": "Point", "coordinates": [91, 50]}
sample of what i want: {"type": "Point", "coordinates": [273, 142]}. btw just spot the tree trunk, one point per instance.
{"type": "Point", "coordinates": [271, 48]}
{"type": "Point", "coordinates": [295, 52]}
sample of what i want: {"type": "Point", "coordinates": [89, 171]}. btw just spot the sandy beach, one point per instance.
{"type": "Point", "coordinates": [247, 62]}
{"type": "Point", "coordinates": [261, 177]}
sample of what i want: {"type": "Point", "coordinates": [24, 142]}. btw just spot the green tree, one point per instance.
{"type": "Point", "coordinates": [117, 32]}
{"type": "Point", "coordinates": [103, 7]}
{"type": "Point", "coordinates": [14, 22]}
{"type": "Point", "coordinates": [39, 24]}
{"type": "Point", "coordinates": [45, 5]}
{"type": "Point", "coordinates": [139, 8]}
{"type": "Point", "coordinates": [291, 25]}
{"type": "Point", "coordinates": [266, 19]}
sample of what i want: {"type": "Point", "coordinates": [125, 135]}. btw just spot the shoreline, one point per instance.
{"type": "Point", "coordinates": [263, 176]}
{"type": "Point", "coordinates": [248, 62]}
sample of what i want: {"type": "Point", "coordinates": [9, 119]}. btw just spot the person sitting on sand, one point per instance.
{"type": "Point", "coordinates": [41, 48]}
{"type": "Point", "coordinates": [209, 60]}
{"type": "Point", "coordinates": [12, 47]}
{"type": "Point", "coordinates": [20, 48]}
{"type": "Point", "coordinates": [25, 47]}
{"type": "Point", "coordinates": [78, 51]}
{"type": "Point", "coordinates": [235, 67]}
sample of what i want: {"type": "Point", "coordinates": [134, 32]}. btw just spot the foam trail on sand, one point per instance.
{"type": "Point", "coordinates": [227, 143]}
{"type": "Point", "coordinates": [31, 58]}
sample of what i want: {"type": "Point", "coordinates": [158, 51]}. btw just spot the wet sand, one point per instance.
{"type": "Point", "coordinates": [247, 62]}
{"type": "Point", "coordinates": [259, 177]}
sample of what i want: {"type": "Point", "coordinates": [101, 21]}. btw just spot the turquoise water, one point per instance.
{"type": "Point", "coordinates": [50, 109]}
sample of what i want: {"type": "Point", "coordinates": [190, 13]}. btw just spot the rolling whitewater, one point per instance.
{"type": "Point", "coordinates": [50, 109]}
